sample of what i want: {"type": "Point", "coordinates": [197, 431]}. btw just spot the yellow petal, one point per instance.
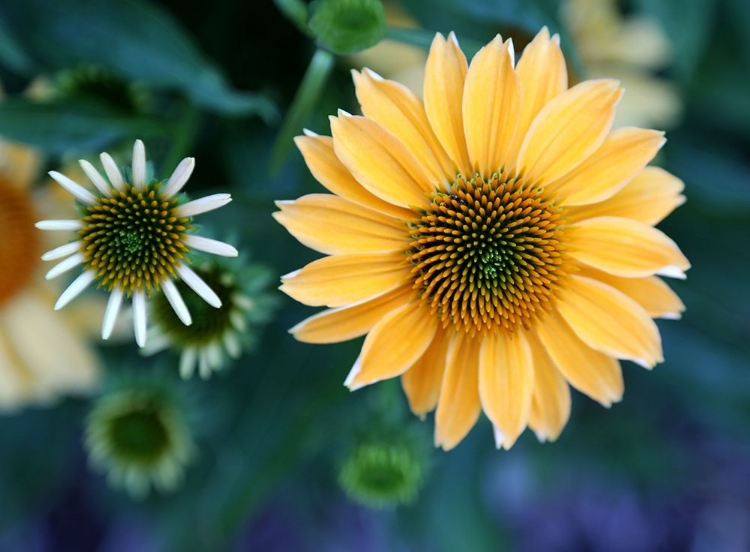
{"type": "Point", "coordinates": [344, 279]}
{"type": "Point", "coordinates": [625, 247]}
{"type": "Point", "coordinates": [380, 161]}
{"type": "Point", "coordinates": [458, 406]}
{"type": "Point", "coordinates": [399, 110]}
{"type": "Point", "coordinates": [394, 344]}
{"type": "Point", "coordinates": [550, 405]}
{"type": "Point", "coordinates": [568, 130]}
{"type": "Point", "coordinates": [422, 381]}
{"type": "Point", "coordinates": [651, 293]}
{"type": "Point", "coordinates": [506, 383]}
{"type": "Point", "coordinates": [445, 73]}
{"type": "Point", "coordinates": [331, 173]}
{"type": "Point", "coordinates": [593, 373]}
{"type": "Point", "coordinates": [15, 379]}
{"type": "Point", "coordinates": [492, 99]}
{"type": "Point", "coordinates": [648, 198]}
{"type": "Point", "coordinates": [543, 76]}
{"type": "Point", "coordinates": [333, 225]}
{"type": "Point", "coordinates": [621, 157]}
{"type": "Point", "coordinates": [65, 362]}
{"type": "Point", "coordinates": [610, 322]}
{"type": "Point", "coordinates": [344, 323]}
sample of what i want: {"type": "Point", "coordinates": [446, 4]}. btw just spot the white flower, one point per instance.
{"type": "Point", "coordinates": [133, 238]}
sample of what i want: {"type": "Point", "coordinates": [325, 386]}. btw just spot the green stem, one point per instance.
{"type": "Point", "coordinates": [304, 101]}
{"type": "Point", "coordinates": [296, 12]}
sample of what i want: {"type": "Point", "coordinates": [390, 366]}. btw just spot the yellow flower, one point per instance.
{"type": "Point", "coordinates": [41, 356]}
{"type": "Point", "coordinates": [495, 241]}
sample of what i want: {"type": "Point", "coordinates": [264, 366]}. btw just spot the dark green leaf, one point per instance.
{"type": "Point", "coordinates": [347, 26]}
{"type": "Point", "coordinates": [61, 127]}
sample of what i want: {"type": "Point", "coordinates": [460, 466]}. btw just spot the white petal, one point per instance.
{"type": "Point", "coordinates": [76, 287]}
{"type": "Point", "coordinates": [139, 165]}
{"type": "Point", "coordinates": [203, 205]}
{"type": "Point", "coordinates": [62, 251]}
{"type": "Point", "coordinates": [175, 299]}
{"type": "Point", "coordinates": [210, 246]}
{"type": "Point", "coordinates": [198, 285]}
{"type": "Point", "coordinates": [59, 225]}
{"type": "Point", "coordinates": [232, 344]}
{"type": "Point", "coordinates": [204, 368]}
{"type": "Point", "coordinates": [139, 317]}
{"type": "Point", "coordinates": [113, 309]}
{"type": "Point", "coordinates": [63, 266]}
{"type": "Point", "coordinates": [96, 178]}
{"type": "Point", "coordinates": [499, 437]}
{"type": "Point", "coordinates": [113, 173]}
{"type": "Point", "coordinates": [187, 363]}
{"type": "Point", "coordinates": [74, 188]}
{"type": "Point", "coordinates": [179, 177]}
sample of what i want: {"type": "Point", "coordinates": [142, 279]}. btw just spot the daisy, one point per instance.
{"type": "Point", "coordinates": [495, 241]}
{"type": "Point", "coordinates": [67, 364]}
{"type": "Point", "coordinates": [134, 237]}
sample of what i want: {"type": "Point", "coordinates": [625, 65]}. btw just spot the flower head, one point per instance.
{"type": "Point", "coordinates": [134, 238]}
{"type": "Point", "coordinates": [495, 241]}
{"type": "Point", "coordinates": [216, 335]}
{"type": "Point", "coordinates": [139, 435]}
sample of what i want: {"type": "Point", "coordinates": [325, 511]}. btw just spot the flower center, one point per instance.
{"type": "Point", "coordinates": [134, 239]}
{"type": "Point", "coordinates": [209, 324]}
{"type": "Point", "coordinates": [488, 256]}
{"type": "Point", "coordinates": [19, 246]}
{"type": "Point", "coordinates": [140, 435]}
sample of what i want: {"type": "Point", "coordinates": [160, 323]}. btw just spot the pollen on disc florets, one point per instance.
{"type": "Point", "coordinates": [18, 248]}
{"type": "Point", "coordinates": [488, 255]}
{"type": "Point", "coordinates": [134, 239]}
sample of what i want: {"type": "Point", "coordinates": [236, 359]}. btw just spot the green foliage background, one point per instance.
{"type": "Point", "coordinates": [646, 474]}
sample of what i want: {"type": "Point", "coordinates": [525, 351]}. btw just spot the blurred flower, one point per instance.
{"type": "Point", "coordinates": [630, 49]}
{"type": "Point", "coordinates": [91, 82]}
{"type": "Point", "coordinates": [495, 242]}
{"type": "Point", "coordinates": [139, 435]}
{"type": "Point", "coordinates": [30, 373]}
{"type": "Point", "coordinates": [134, 236]}
{"type": "Point", "coordinates": [381, 473]}
{"type": "Point", "coordinates": [215, 333]}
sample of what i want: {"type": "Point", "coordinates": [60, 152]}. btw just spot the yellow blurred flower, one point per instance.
{"type": "Point", "coordinates": [41, 355]}
{"type": "Point", "coordinates": [495, 242]}
{"type": "Point", "coordinates": [630, 49]}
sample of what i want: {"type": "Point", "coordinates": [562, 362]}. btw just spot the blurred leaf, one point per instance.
{"type": "Point", "coordinates": [689, 26]}
{"type": "Point", "coordinates": [138, 39]}
{"type": "Point", "coordinates": [304, 102]}
{"type": "Point", "coordinates": [11, 52]}
{"type": "Point", "coordinates": [423, 38]}
{"type": "Point", "coordinates": [64, 126]}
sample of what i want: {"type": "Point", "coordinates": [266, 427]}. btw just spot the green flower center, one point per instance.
{"type": "Point", "coordinates": [134, 239]}
{"type": "Point", "coordinates": [140, 435]}
{"type": "Point", "coordinates": [209, 324]}
{"type": "Point", "coordinates": [382, 474]}
{"type": "Point", "coordinates": [488, 255]}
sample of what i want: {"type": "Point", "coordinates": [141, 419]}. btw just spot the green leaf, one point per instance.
{"type": "Point", "coordinates": [11, 52]}
{"type": "Point", "coordinates": [64, 126]}
{"type": "Point", "coordinates": [136, 38]}
{"type": "Point", "coordinates": [347, 26]}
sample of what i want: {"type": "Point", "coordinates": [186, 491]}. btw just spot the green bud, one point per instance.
{"type": "Point", "coordinates": [140, 437]}
{"type": "Point", "coordinates": [382, 474]}
{"type": "Point", "coordinates": [347, 26]}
